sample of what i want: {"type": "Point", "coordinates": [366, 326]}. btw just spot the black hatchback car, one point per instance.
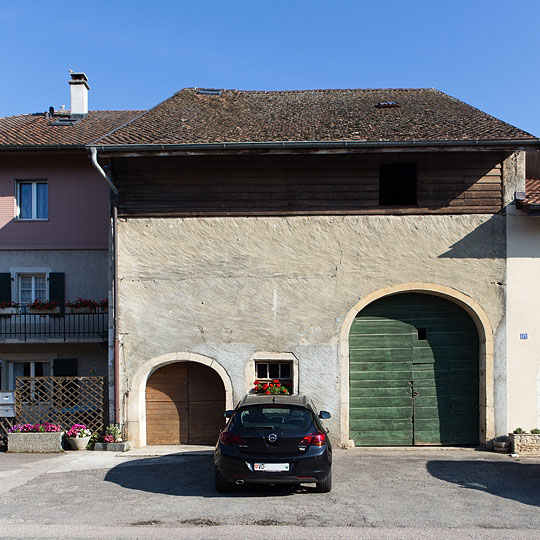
{"type": "Point", "coordinates": [274, 439]}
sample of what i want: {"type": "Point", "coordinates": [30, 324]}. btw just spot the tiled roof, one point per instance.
{"type": "Point", "coordinates": [532, 192]}
{"type": "Point", "coordinates": [191, 117]}
{"type": "Point", "coordinates": [38, 130]}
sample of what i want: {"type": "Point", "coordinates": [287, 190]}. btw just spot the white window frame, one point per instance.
{"type": "Point", "coordinates": [9, 358]}
{"type": "Point", "coordinates": [34, 184]}
{"type": "Point", "coordinates": [272, 358]}
{"type": "Point", "coordinates": [27, 271]}
{"type": "Point", "coordinates": [33, 290]}
{"type": "Point", "coordinates": [276, 362]}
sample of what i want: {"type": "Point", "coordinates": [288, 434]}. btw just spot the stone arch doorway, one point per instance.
{"type": "Point", "coordinates": [484, 358]}
{"type": "Point", "coordinates": [184, 404]}
{"type": "Point", "coordinates": [413, 373]}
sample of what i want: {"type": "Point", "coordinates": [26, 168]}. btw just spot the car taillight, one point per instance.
{"type": "Point", "coordinates": [229, 439]}
{"type": "Point", "coordinates": [313, 439]}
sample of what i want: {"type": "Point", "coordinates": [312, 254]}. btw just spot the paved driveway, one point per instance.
{"type": "Point", "coordinates": [423, 493]}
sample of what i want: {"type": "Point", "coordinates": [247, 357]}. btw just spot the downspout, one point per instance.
{"type": "Point", "coordinates": [114, 307]}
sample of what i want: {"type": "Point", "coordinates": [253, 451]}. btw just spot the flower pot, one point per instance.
{"type": "Point", "coordinates": [8, 311]}
{"type": "Point", "coordinates": [44, 312]}
{"type": "Point", "coordinates": [525, 443]}
{"type": "Point", "coordinates": [501, 446]}
{"type": "Point", "coordinates": [77, 443]}
{"type": "Point", "coordinates": [81, 310]}
{"type": "Point", "coordinates": [35, 442]}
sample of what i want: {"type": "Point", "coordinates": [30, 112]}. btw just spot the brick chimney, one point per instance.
{"type": "Point", "coordinates": [79, 94]}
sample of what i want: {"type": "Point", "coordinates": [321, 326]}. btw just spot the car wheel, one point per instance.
{"type": "Point", "coordinates": [326, 485]}
{"type": "Point", "coordinates": [221, 485]}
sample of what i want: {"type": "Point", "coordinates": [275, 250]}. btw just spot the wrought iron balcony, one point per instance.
{"type": "Point", "coordinates": [88, 327]}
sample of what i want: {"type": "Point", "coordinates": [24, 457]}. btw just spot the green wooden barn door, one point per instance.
{"type": "Point", "coordinates": [413, 373]}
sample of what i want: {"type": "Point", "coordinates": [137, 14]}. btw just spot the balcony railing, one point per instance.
{"type": "Point", "coordinates": [57, 327]}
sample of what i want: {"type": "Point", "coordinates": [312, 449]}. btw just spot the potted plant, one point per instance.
{"type": "Point", "coordinates": [273, 387]}
{"type": "Point", "coordinates": [83, 305]}
{"type": "Point", "coordinates": [44, 307]}
{"type": "Point", "coordinates": [34, 438]}
{"type": "Point", "coordinates": [103, 304]}
{"type": "Point", "coordinates": [112, 440]}
{"type": "Point", "coordinates": [8, 308]}
{"type": "Point", "coordinates": [78, 436]}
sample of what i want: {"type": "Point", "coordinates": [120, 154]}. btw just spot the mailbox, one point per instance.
{"type": "Point", "coordinates": [7, 404]}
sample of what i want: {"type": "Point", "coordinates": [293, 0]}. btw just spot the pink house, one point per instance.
{"type": "Point", "coordinates": [54, 240]}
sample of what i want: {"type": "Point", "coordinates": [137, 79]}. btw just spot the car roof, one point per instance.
{"type": "Point", "coordinates": [258, 399]}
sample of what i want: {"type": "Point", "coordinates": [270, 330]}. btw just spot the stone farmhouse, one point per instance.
{"type": "Point", "coordinates": [373, 249]}
{"type": "Point", "coordinates": [349, 243]}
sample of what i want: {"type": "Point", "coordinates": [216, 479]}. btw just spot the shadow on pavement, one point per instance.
{"type": "Point", "coordinates": [510, 480]}
{"type": "Point", "coordinates": [186, 476]}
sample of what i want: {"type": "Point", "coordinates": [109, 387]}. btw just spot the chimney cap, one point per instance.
{"type": "Point", "coordinates": [78, 77]}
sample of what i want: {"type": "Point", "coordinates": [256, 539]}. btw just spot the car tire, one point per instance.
{"type": "Point", "coordinates": [326, 485]}
{"type": "Point", "coordinates": [221, 485]}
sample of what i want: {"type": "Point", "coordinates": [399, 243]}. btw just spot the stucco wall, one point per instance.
{"type": "Point", "coordinates": [91, 357]}
{"type": "Point", "coordinates": [229, 287]}
{"type": "Point", "coordinates": [86, 270]}
{"type": "Point", "coordinates": [523, 357]}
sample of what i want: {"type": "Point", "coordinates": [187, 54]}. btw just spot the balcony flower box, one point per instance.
{"type": "Point", "coordinates": [83, 305]}
{"type": "Point", "coordinates": [38, 438]}
{"type": "Point", "coordinates": [42, 311]}
{"type": "Point", "coordinates": [80, 310]}
{"type": "Point", "coordinates": [8, 308]}
{"type": "Point", "coordinates": [43, 307]}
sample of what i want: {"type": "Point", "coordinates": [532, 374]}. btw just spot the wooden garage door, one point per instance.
{"type": "Point", "coordinates": [413, 373]}
{"type": "Point", "coordinates": [184, 405]}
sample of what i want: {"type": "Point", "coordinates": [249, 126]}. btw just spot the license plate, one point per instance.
{"type": "Point", "coordinates": [271, 467]}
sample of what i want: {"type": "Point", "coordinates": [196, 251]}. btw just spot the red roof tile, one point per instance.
{"type": "Point", "coordinates": [38, 130]}
{"type": "Point", "coordinates": [532, 192]}
{"type": "Point", "coordinates": [190, 117]}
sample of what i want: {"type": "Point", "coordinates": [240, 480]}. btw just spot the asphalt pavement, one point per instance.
{"type": "Point", "coordinates": [168, 492]}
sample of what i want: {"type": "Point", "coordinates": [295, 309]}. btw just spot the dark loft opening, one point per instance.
{"type": "Point", "coordinates": [422, 334]}
{"type": "Point", "coordinates": [397, 184]}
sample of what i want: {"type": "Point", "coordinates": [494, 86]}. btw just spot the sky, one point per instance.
{"type": "Point", "coordinates": [138, 53]}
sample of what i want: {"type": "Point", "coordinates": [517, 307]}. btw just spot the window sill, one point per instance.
{"type": "Point", "coordinates": [22, 220]}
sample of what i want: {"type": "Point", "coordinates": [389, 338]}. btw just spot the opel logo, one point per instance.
{"type": "Point", "coordinates": [272, 437]}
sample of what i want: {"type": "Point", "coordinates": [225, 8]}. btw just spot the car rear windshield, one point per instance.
{"type": "Point", "coordinates": [274, 416]}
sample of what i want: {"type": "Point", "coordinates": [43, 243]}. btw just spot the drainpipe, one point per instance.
{"type": "Point", "coordinates": [114, 308]}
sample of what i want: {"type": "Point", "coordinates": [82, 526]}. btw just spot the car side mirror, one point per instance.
{"type": "Point", "coordinates": [325, 415]}
{"type": "Point", "coordinates": [228, 414]}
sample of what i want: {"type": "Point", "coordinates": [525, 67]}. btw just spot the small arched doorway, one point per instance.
{"type": "Point", "coordinates": [184, 404]}
{"type": "Point", "coordinates": [413, 373]}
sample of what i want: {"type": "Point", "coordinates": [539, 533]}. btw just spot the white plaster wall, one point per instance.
{"type": "Point", "coordinates": [523, 317]}
{"type": "Point", "coordinates": [227, 288]}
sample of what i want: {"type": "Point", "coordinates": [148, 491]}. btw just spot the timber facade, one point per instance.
{"type": "Point", "coordinates": [445, 183]}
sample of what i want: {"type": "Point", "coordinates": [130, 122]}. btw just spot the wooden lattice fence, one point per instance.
{"type": "Point", "coordinates": [61, 400]}
{"type": "Point", "coordinates": [5, 424]}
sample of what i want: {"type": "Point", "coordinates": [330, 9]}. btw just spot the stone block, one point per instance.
{"type": "Point", "coordinates": [35, 442]}
{"type": "Point", "coordinates": [525, 443]}
{"type": "Point", "coordinates": [113, 447]}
